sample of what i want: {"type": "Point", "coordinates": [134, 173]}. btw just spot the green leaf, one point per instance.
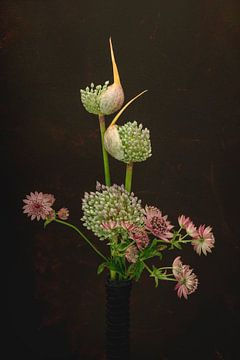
{"type": "Point", "coordinates": [138, 269]}
{"type": "Point", "coordinates": [101, 267]}
{"type": "Point", "coordinates": [177, 245]}
{"type": "Point", "coordinates": [115, 264]}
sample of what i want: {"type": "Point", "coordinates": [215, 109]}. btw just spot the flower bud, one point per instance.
{"type": "Point", "coordinates": [128, 143]}
{"type": "Point", "coordinates": [113, 143]}
{"type": "Point", "coordinates": [111, 100]}
{"type": "Point", "coordinates": [104, 100]}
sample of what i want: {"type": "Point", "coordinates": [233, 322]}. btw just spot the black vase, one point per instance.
{"type": "Point", "coordinates": [117, 319]}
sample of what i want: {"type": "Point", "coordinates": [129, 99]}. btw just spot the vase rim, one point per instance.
{"type": "Point", "coordinates": [118, 283]}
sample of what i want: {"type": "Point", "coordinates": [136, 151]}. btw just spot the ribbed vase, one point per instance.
{"type": "Point", "coordinates": [117, 319]}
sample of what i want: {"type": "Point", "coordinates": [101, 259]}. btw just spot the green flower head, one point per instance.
{"type": "Point", "coordinates": [104, 100]}
{"type": "Point", "coordinates": [128, 143]}
{"type": "Point", "coordinates": [110, 204]}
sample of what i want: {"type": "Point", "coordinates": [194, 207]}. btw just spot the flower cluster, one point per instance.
{"type": "Point", "coordinates": [202, 237]}
{"type": "Point", "coordinates": [132, 254]}
{"type": "Point", "coordinates": [39, 206]}
{"type": "Point", "coordinates": [187, 281]}
{"type": "Point", "coordinates": [134, 234]}
{"type": "Point", "coordinates": [112, 205]}
{"type": "Point", "coordinates": [129, 142]}
{"type": "Point", "coordinates": [158, 224]}
{"type": "Point", "coordinates": [91, 97]}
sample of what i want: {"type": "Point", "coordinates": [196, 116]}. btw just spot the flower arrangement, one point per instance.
{"type": "Point", "coordinates": [134, 234]}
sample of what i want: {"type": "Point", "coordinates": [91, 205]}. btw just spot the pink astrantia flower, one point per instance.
{"type": "Point", "coordinates": [187, 281]}
{"type": "Point", "coordinates": [204, 240]}
{"type": "Point", "coordinates": [63, 213]}
{"type": "Point", "coordinates": [49, 198]}
{"type": "Point", "coordinates": [51, 215]}
{"type": "Point", "coordinates": [187, 224]}
{"type": "Point", "coordinates": [157, 224]}
{"type": "Point", "coordinates": [184, 221]}
{"type": "Point", "coordinates": [127, 226]}
{"type": "Point", "coordinates": [191, 230]}
{"type": "Point", "coordinates": [109, 225]}
{"type": "Point", "coordinates": [140, 236]}
{"type": "Point", "coordinates": [131, 254]}
{"type": "Point", "coordinates": [177, 266]}
{"type": "Point", "coordinates": [38, 205]}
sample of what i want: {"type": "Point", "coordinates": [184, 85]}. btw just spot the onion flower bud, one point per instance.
{"type": "Point", "coordinates": [104, 100]}
{"type": "Point", "coordinates": [128, 143]}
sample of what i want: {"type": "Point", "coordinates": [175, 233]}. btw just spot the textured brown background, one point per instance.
{"type": "Point", "coordinates": [186, 53]}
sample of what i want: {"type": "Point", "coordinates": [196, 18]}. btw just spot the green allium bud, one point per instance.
{"type": "Point", "coordinates": [91, 97]}
{"type": "Point", "coordinates": [111, 100]}
{"type": "Point", "coordinates": [110, 204]}
{"type": "Point", "coordinates": [129, 142]}
{"type": "Point", "coordinates": [104, 100]}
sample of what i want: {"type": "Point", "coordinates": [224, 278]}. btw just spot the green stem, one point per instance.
{"type": "Point", "coordinates": [104, 152]}
{"type": "Point", "coordinates": [82, 235]}
{"type": "Point", "coordinates": [146, 266]}
{"type": "Point", "coordinates": [168, 279]}
{"type": "Point", "coordinates": [128, 177]}
{"type": "Point", "coordinates": [112, 274]}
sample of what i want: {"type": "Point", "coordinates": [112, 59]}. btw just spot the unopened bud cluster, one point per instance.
{"type": "Point", "coordinates": [102, 100]}
{"type": "Point", "coordinates": [110, 203]}
{"type": "Point", "coordinates": [90, 97]}
{"type": "Point", "coordinates": [129, 142]}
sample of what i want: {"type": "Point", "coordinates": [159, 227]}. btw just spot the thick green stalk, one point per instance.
{"type": "Point", "coordinates": [104, 152]}
{"type": "Point", "coordinates": [82, 235]}
{"type": "Point", "coordinates": [112, 275]}
{"type": "Point", "coordinates": [128, 177]}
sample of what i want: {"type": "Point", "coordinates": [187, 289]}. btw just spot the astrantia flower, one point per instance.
{"type": "Point", "coordinates": [109, 225]}
{"type": "Point", "coordinates": [187, 281]}
{"type": "Point", "coordinates": [63, 213]}
{"type": "Point", "coordinates": [187, 224]}
{"type": "Point", "coordinates": [157, 224]}
{"type": "Point", "coordinates": [140, 236]}
{"type": "Point", "coordinates": [49, 198]}
{"type": "Point", "coordinates": [177, 266]}
{"type": "Point", "coordinates": [127, 226]}
{"type": "Point", "coordinates": [128, 143]}
{"type": "Point", "coordinates": [51, 215]}
{"type": "Point", "coordinates": [131, 254]}
{"type": "Point", "coordinates": [38, 205]}
{"type": "Point", "coordinates": [110, 203]}
{"type": "Point", "coordinates": [184, 221]}
{"type": "Point", "coordinates": [204, 240]}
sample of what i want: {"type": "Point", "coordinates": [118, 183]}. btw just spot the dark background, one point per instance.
{"type": "Point", "coordinates": [186, 53]}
